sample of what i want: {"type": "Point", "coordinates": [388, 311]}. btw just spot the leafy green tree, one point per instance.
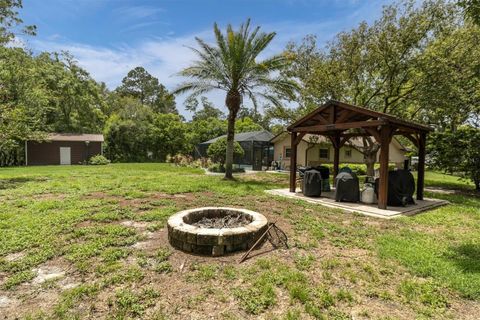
{"type": "Point", "coordinates": [263, 120]}
{"type": "Point", "coordinates": [146, 88]}
{"type": "Point", "coordinates": [137, 134]}
{"type": "Point", "coordinates": [448, 80]}
{"type": "Point", "coordinates": [457, 152]}
{"type": "Point", "coordinates": [75, 97]}
{"type": "Point", "coordinates": [471, 9]}
{"type": "Point", "coordinates": [202, 130]}
{"type": "Point", "coordinates": [208, 111]}
{"type": "Point", "coordinates": [10, 22]}
{"type": "Point", "coordinates": [247, 125]}
{"type": "Point", "coordinates": [41, 94]}
{"type": "Point", "coordinates": [217, 150]}
{"type": "Point", "coordinates": [233, 65]}
{"type": "Point", "coordinates": [374, 65]}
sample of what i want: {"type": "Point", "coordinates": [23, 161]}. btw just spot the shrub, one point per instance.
{"type": "Point", "coordinates": [217, 151]}
{"type": "Point", "coordinates": [217, 167]}
{"type": "Point", "coordinates": [188, 161]}
{"type": "Point", "coordinates": [359, 169]}
{"type": "Point", "coordinates": [98, 160]}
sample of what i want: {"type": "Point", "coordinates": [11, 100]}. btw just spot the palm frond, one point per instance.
{"type": "Point", "coordinates": [231, 65]}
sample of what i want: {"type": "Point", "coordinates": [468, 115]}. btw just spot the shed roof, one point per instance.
{"type": "Point", "coordinates": [75, 137]}
{"type": "Point", "coordinates": [262, 136]}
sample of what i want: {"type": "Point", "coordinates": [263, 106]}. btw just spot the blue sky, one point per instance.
{"type": "Point", "coordinates": [110, 37]}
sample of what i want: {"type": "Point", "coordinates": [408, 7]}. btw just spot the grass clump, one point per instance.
{"type": "Point", "coordinates": [128, 303]}
{"type": "Point", "coordinates": [256, 299]}
{"type": "Point", "coordinates": [427, 294]}
{"type": "Point", "coordinates": [71, 297]}
{"type": "Point", "coordinates": [18, 278]}
{"type": "Point", "coordinates": [304, 262]}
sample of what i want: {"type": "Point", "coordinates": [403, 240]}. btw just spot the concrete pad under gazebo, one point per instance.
{"type": "Point", "coordinates": [341, 121]}
{"type": "Point", "coordinates": [328, 200]}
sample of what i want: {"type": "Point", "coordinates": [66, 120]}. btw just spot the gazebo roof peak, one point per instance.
{"type": "Point", "coordinates": [335, 115]}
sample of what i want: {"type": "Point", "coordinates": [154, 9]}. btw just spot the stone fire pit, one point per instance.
{"type": "Point", "coordinates": [215, 231]}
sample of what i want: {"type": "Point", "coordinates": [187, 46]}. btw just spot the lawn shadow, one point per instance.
{"type": "Point", "coordinates": [467, 257]}
{"type": "Point", "coordinates": [13, 183]}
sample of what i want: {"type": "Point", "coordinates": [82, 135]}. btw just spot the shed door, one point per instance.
{"type": "Point", "coordinates": [65, 155]}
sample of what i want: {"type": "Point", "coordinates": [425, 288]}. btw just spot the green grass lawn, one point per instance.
{"type": "Point", "coordinates": [99, 235]}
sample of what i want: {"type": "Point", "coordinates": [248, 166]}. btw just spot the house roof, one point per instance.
{"type": "Point", "coordinates": [262, 136]}
{"type": "Point", "coordinates": [75, 137]}
{"type": "Point", "coordinates": [357, 141]}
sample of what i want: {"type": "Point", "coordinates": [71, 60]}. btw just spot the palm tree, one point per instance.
{"type": "Point", "coordinates": [231, 65]}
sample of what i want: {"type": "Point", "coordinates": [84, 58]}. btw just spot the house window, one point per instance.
{"type": "Point", "coordinates": [348, 153]}
{"type": "Point", "coordinates": [288, 152]}
{"type": "Point", "coordinates": [324, 153]}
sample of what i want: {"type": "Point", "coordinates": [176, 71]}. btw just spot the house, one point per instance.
{"type": "Point", "coordinates": [314, 150]}
{"type": "Point", "coordinates": [63, 148]}
{"type": "Point", "coordinates": [256, 144]}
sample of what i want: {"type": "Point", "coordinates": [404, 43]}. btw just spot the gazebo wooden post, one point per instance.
{"type": "Point", "coordinates": [293, 161]}
{"type": "Point", "coordinates": [336, 155]}
{"type": "Point", "coordinates": [384, 151]}
{"type": "Point", "coordinates": [421, 164]}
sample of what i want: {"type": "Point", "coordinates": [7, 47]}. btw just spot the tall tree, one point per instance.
{"type": "Point", "coordinates": [10, 23]}
{"type": "Point", "coordinates": [208, 110]}
{"type": "Point", "coordinates": [448, 77]}
{"type": "Point", "coordinates": [137, 134]}
{"type": "Point", "coordinates": [373, 66]}
{"type": "Point", "coordinates": [458, 152]}
{"type": "Point", "coordinates": [233, 65]}
{"type": "Point", "coordinates": [148, 90]}
{"type": "Point", "coordinates": [471, 9]}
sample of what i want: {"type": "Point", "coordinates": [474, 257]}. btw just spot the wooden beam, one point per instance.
{"type": "Point", "coordinates": [299, 137]}
{"type": "Point", "coordinates": [293, 162]}
{"type": "Point", "coordinates": [385, 138]}
{"type": "Point", "coordinates": [343, 116]}
{"type": "Point", "coordinates": [374, 133]}
{"type": "Point", "coordinates": [334, 140]}
{"type": "Point", "coordinates": [421, 165]}
{"type": "Point", "coordinates": [333, 116]}
{"type": "Point", "coordinates": [355, 134]}
{"type": "Point", "coordinates": [376, 114]}
{"type": "Point", "coordinates": [340, 126]}
{"type": "Point", "coordinates": [336, 154]}
{"type": "Point", "coordinates": [308, 116]}
{"type": "Point", "coordinates": [343, 140]}
{"type": "Point", "coordinates": [321, 119]}
{"type": "Point", "coordinates": [412, 138]}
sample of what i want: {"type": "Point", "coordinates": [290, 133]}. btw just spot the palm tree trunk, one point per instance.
{"type": "Point", "coordinates": [233, 104]}
{"type": "Point", "coordinates": [230, 141]}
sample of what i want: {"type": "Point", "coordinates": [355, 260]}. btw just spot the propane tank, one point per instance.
{"type": "Point", "coordinates": [368, 194]}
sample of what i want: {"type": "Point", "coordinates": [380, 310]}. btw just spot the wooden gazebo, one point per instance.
{"type": "Point", "coordinates": [336, 120]}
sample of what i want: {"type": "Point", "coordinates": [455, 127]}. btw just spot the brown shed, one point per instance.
{"type": "Point", "coordinates": [63, 148]}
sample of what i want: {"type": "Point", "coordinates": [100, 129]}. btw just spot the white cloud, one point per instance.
{"type": "Point", "coordinates": [164, 57]}
{"type": "Point", "coordinates": [161, 57]}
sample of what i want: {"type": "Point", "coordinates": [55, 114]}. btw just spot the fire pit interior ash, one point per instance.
{"type": "Point", "coordinates": [215, 231]}
{"type": "Point", "coordinates": [230, 220]}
